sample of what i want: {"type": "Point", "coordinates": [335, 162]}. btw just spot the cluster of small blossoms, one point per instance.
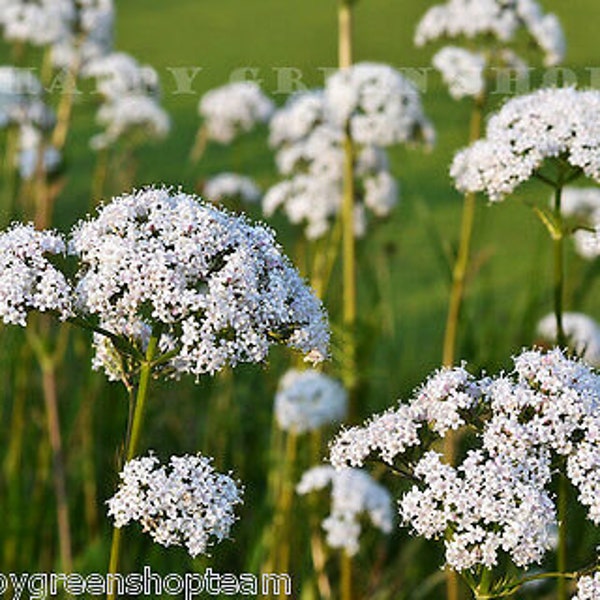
{"type": "Point", "coordinates": [214, 288]}
{"type": "Point", "coordinates": [588, 587]}
{"type": "Point", "coordinates": [186, 503]}
{"type": "Point", "coordinates": [233, 109]}
{"type": "Point", "coordinates": [582, 206]}
{"type": "Point", "coordinates": [502, 19]}
{"type": "Point", "coordinates": [462, 71]}
{"type": "Point", "coordinates": [496, 500]}
{"type": "Point", "coordinates": [131, 94]}
{"type": "Point", "coordinates": [353, 492]}
{"type": "Point", "coordinates": [379, 107]}
{"type": "Point", "coordinates": [28, 280]}
{"type": "Point", "coordinates": [548, 124]}
{"type": "Point", "coordinates": [231, 186]}
{"type": "Point", "coordinates": [583, 334]}
{"type": "Point", "coordinates": [307, 400]}
{"type": "Point", "coordinates": [90, 36]}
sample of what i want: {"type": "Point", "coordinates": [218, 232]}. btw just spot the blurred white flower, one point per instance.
{"type": "Point", "coordinates": [353, 492]}
{"type": "Point", "coordinates": [379, 105]}
{"type": "Point", "coordinates": [501, 19]}
{"type": "Point", "coordinates": [583, 334]}
{"type": "Point", "coordinates": [462, 71]}
{"type": "Point", "coordinates": [231, 186]}
{"type": "Point", "coordinates": [307, 400]}
{"type": "Point", "coordinates": [35, 152]}
{"type": "Point", "coordinates": [186, 503]}
{"type": "Point", "coordinates": [233, 109]}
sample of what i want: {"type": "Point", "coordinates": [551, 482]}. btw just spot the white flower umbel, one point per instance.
{"type": "Point", "coordinates": [583, 334]}
{"type": "Point", "coordinates": [379, 105]}
{"type": "Point", "coordinates": [310, 154]}
{"type": "Point", "coordinates": [231, 186]}
{"type": "Point", "coordinates": [186, 503]}
{"type": "Point", "coordinates": [588, 587]}
{"type": "Point", "coordinates": [233, 109]}
{"type": "Point", "coordinates": [216, 289]}
{"type": "Point", "coordinates": [35, 152]}
{"type": "Point", "coordinates": [581, 205]}
{"type": "Point", "coordinates": [548, 124]}
{"type": "Point", "coordinates": [137, 117]}
{"type": "Point", "coordinates": [498, 18]}
{"type": "Point", "coordinates": [353, 492]}
{"type": "Point", "coordinates": [496, 501]}
{"type": "Point", "coordinates": [307, 400]}
{"type": "Point", "coordinates": [462, 71]}
{"type": "Point", "coordinates": [28, 280]}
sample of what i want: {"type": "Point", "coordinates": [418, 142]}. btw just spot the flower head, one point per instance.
{"type": "Point", "coordinates": [353, 492]}
{"type": "Point", "coordinates": [500, 18]}
{"type": "Point", "coordinates": [186, 503]}
{"type": "Point", "coordinates": [233, 109]}
{"type": "Point", "coordinates": [28, 280]}
{"type": "Point", "coordinates": [231, 186]}
{"type": "Point", "coordinates": [548, 124]}
{"type": "Point", "coordinates": [588, 587]}
{"type": "Point", "coordinates": [461, 70]}
{"type": "Point", "coordinates": [215, 289]}
{"type": "Point", "coordinates": [307, 400]}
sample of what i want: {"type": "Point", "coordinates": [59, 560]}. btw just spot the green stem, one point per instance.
{"type": "Point", "coordinates": [345, 24]}
{"type": "Point", "coordinates": [559, 268]}
{"type": "Point", "coordinates": [346, 576]}
{"type": "Point", "coordinates": [135, 429]}
{"type": "Point", "coordinates": [349, 270]}
{"type": "Point", "coordinates": [561, 554]}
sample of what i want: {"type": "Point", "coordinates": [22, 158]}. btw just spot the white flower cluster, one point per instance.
{"type": "Point", "coordinates": [216, 289]}
{"type": "Point", "coordinates": [307, 400]}
{"type": "Point", "coordinates": [583, 334]}
{"type": "Point", "coordinates": [497, 500]}
{"type": "Point", "coordinates": [28, 280]}
{"type": "Point", "coordinates": [500, 18]}
{"type": "Point", "coordinates": [309, 143]}
{"type": "Point", "coordinates": [35, 152]}
{"type": "Point", "coordinates": [233, 109]}
{"type": "Point", "coordinates": [588, 587]}
{"type": "Point", "coordinates": [582, 205]}
{"type": "Point", "coordinates": [462, 71]}
{"type": "Point", "coordinates": [353, 492]}
{"type": "Point", "coordinates": [89, 37]}
{"type": "Point", "coordinates": [231, 186]}
{"type": "Point", "coordinates": [131, 100]}
{"type": "Point", "coordinates": [378, 104]}
{"type": "Point", "coordinates": [186, 503]}
{"type": "Point", "coordinates": [547, 124]}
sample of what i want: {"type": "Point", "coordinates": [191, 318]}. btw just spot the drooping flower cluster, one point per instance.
{"type": "Point", "coordinates": [233, 109]}
{"type": "Point", "coordinates": [214, 288]}
{"type": "Point", "coordinates": [500, 18]}
{"type": "Point", "coordinates": [186, 503]}
{"type": "Point", "coordinates": [307, 400]}
{"type": "Point", "coordinates": [588, 587]}
{"type": "Point", "coordinates": [496, 500]}
{"type": "Point", "coordinates": [582, 207]}
{"type": "Point", "coordinates": [28, 280]}
{"type": "Point", "coordinates": [548, 124]}
{"type": "Point", "coordinates": [380, 107]}
{"type": "Point", "coordinates": [353, 492]}
{"type": "Point", "coordinates": [583, 334]}
{"type": "Point", "coordinates": [131, 94]}
{"type": "Point", "coordinates": [231, 187]}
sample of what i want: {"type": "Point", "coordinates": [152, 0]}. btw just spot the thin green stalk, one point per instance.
{"type": "Point", "coordinates": [9, 177]}
{"type": "Point", "coordinates": [100, 176]}
{"type": "Point", "coordinates": [345, 24]}
{"type": "Point", "coordinates": [559, 268]}
{"type": "Point", "coordinates": [346, 576]}
{"type": "Point", "coordinates": [135, 430]}
{"type": "Point", "coordinates": [561, 552]}
{"type": "Point", "coordinates": [349, 267]}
